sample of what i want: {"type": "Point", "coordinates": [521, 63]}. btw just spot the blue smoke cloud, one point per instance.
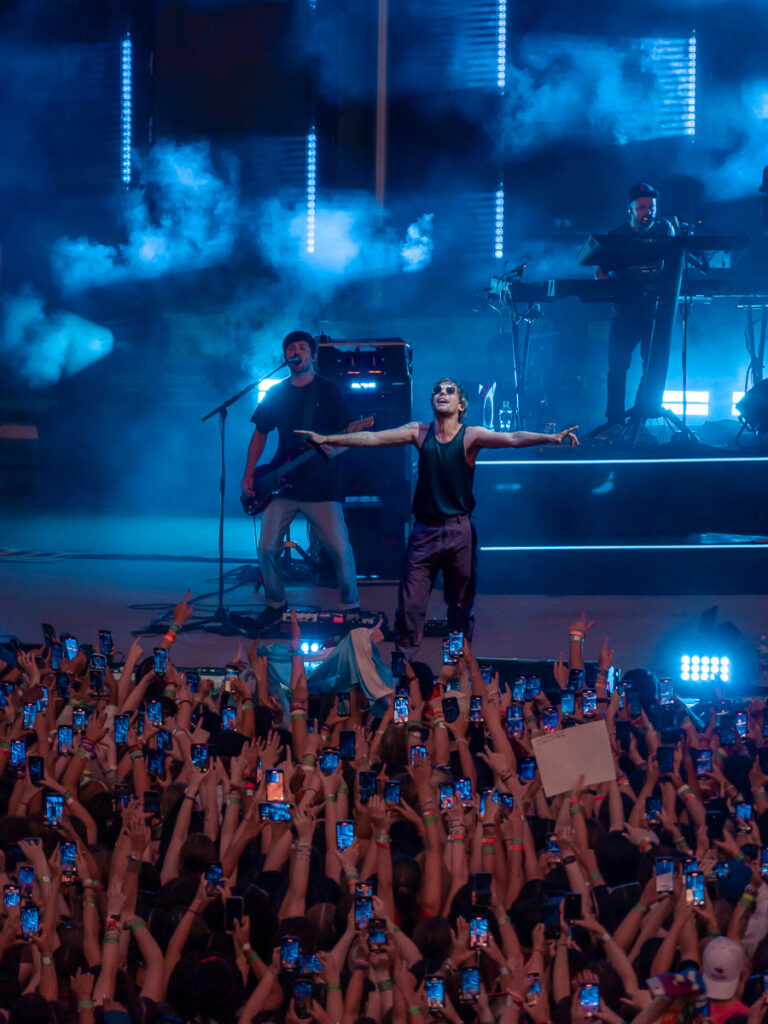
{"type": "Point", "coordinates": [41, 347]}
{"type": "Point", "coordinates": [352, 242]}
{"type": "Point", "coordinates": [733, 167]}
{"type": "Point", "coordinates": [562, 86]}
{"type": "Point", "coordinates": [183, 215]}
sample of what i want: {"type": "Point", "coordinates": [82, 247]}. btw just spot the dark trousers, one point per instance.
{"type": "Point", "coordinates": [449, 545]}
{"type": "Point", "coordinates": [629, 328]}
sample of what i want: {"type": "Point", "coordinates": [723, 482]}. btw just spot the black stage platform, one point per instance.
{"type": "Point", "coordinates": [555, 521]}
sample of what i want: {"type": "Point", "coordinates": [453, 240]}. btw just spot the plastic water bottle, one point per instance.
{"type": "Point", "coordinates": [487, 392]}
{"type": "Point", "coordinates": [505, 417]}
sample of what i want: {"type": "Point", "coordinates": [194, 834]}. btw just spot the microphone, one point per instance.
{"type": "Point", "coordinates": [293, 361]}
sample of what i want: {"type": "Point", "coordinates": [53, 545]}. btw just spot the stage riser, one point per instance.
{"type": "Point", "coordinates": [681, 571]}
{"type": "Point", "coordinates": [579, 501]}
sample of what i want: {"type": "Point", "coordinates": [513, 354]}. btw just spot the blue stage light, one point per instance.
{"type": "Point", "coordinates": [696, 402]}
{"type": "Point", "coordinates": [501, 44]}
{"type": "Point", "coordinates": [498, 248]}
{"type": "Point", "coordinates": [126, 107]}
{"type": "Point", "coordinates": [311, 187]}
{"type": "Point", "coordinates": [705, 668]}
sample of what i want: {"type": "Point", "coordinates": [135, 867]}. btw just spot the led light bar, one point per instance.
{"type": "Point", "coordinates": [126, 107]}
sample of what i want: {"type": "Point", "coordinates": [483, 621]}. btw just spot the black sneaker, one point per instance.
{"type": "Point", "coordinates": [268, 617]}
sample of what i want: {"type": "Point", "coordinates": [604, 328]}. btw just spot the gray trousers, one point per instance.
{"type": "Point", "coordinates": [449, 545]}
{"type": "Point", "coordinates": [327, 518]}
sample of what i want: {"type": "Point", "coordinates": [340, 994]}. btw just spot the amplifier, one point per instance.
{"type": "Point", "coordinates": [375, 376]}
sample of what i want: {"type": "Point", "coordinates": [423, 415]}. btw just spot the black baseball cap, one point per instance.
{"type": "Point", "coordinates": [642, 191]}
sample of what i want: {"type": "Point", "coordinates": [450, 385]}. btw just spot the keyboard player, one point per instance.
{"type": "Point", "coordinates": [632, 319]}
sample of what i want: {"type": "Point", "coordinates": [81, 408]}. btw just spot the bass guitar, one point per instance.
{"type": "Point", "coordinates": [274, 479]}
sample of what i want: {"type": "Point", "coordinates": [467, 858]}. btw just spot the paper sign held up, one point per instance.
{"type": "Point", "coordinates": [563, 756]}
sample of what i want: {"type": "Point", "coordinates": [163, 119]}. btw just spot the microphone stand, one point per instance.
{"type": "Point", "coordinates": [222, 621]}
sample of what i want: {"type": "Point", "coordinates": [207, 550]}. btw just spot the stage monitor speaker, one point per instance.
{"type": "Point", "coordinates": [374, 375]}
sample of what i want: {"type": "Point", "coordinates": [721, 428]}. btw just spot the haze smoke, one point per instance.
{"type": "Point", "coordinates": [43, 346]}
{"type": "Point", "coordinates": [183, 215]}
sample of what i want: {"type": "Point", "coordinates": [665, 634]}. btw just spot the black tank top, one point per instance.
{"type": "Point", "coordinates": [444, 484]}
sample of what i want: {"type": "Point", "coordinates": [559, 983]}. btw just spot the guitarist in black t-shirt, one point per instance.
{"type": "Point", "coordinates": [313, 487]}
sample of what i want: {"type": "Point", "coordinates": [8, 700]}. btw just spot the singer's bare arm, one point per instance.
{"type": "Point", "coordinates": [407, 434]}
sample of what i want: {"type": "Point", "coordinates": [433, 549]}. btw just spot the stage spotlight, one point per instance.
{"type": "Point", "coordinates": [309, 647]}
{"type": "Point", "coordinates": [753, 408]}
{"type": "Point", "coordinates": [705, 668]}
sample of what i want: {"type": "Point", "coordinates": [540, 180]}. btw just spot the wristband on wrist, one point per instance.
{"type": "Point", "coordinates": [385, 986]}
{"type": "Point", "coordinates": [85, 1004]}
{"type": "Point", "coordinates": [333, 988]}
{"type": "Point", "coordinates": [641, 908]}
{"type": "Point", "coordinates": [138, 923]}
{"type": "Point", "coordinates": [413, 1011]}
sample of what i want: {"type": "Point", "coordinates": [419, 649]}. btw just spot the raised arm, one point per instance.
{"type": "Point", "coordinates": [407, 434]}
{"type": "Point", "coordinates": [479, 437]}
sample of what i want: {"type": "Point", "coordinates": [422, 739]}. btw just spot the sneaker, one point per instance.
{"type": "Point", "coordinates": [268, 617]}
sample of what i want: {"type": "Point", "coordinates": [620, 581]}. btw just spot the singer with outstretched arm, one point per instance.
{"type": "Point", "coordinates": [443, 536]}
{"type": "Point", "coordinates": [312, 402]}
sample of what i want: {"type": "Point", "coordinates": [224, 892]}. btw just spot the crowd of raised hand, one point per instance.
{"type": "Point", "coordinates": [181, 849]}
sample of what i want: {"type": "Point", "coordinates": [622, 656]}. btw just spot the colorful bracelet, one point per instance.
{"type": "Point", "coordinates": [111, 938]}
{"type": "Point", "coordinates": [488, 848]}
{"type": "Point", "coordinates": [413, 1011]}
{"type": "Point", "coordinates": [746, 900]}
{"type": "Point", "coordinates": [639, 906]}
{"type": "Point", "coordinates": [310, 760]}
{"type": "Point", "coordinates": [385, 986]}
{"type": "Point", "coordinates": [138, 923]}
{"type": "Point", "coordinates": [295, 715]}
{"type": "Point", "coordinates": [170, 637]}
{"type": "Point", "coordinates": [595, 877]}
{"type": "Point", "coordinates": [333, 988]}
{"type": "Point", "coordinates": [430, 819]}
{"type": "Point", "coordinates": [247, 705]}
{"type": "Point", "coordinates": [85, 1004]}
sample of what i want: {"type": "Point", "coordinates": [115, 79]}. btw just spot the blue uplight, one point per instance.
{"type": "Point", "coordinates": [126, 107]}
{"type": "Point", "coordinates": [705, 668]}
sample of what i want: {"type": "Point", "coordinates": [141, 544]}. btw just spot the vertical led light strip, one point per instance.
{"type": "Point", "coordinates": [690, 114]}
{"type": "Point", "coordinates": [498, 232]}
{"type": "Point", "coordinates": [311, 188]}
{"type": "Point", "coordinates": [126, 107]}
{"type": "Point", "coordinates": [501, 44]}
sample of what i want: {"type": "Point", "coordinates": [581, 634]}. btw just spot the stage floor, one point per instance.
{"type": "Point", "coordinates": [83, 572]}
